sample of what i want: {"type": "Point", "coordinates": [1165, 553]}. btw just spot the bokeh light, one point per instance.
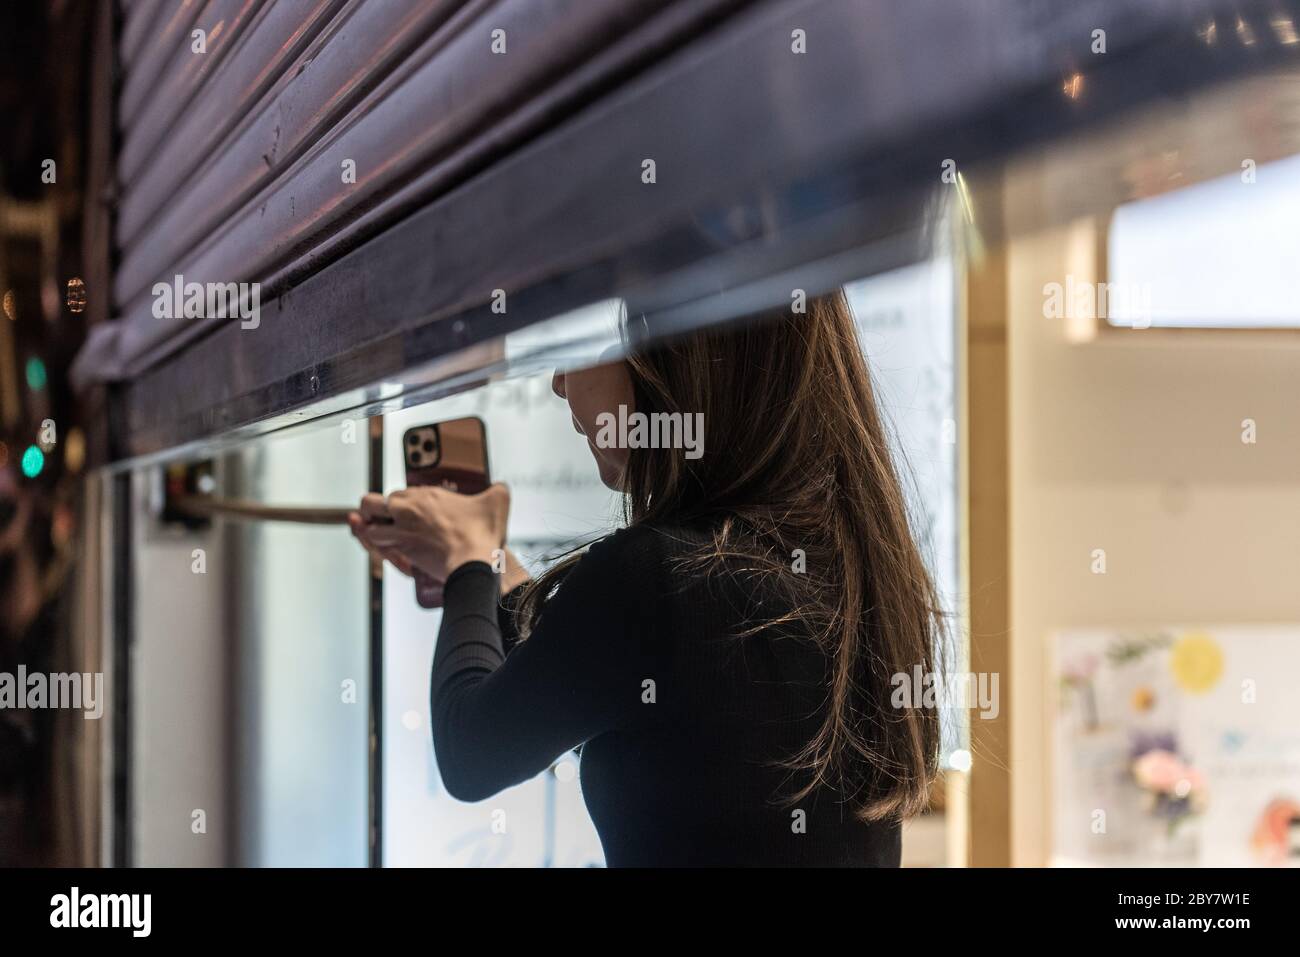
{"type": "Point", "coordinates": [33, 461]}
{"type": "Point", "coordinates": [76, 295]}
{"type": "Point", "coordinates": [36, 377]}
{"type": "Point", "coordinates": [74, 450]}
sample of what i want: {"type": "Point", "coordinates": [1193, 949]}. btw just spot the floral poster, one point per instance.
{"type": "Point", "coordinates": [1177, 746]}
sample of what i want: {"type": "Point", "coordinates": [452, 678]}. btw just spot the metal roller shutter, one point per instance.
{"type": "Point", "coordinates": [478, 170]}
{"type": "Point", "coordinates": [230, 162]}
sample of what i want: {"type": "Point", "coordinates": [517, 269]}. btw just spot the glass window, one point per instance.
{"type": "Point", "coordinates": [252, 638]}
{"type": "Point", "coordinates": [1220, 254]}
{"type": "Point", "coordinates": [250, 667]}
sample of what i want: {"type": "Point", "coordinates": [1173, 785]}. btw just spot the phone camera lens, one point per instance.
{"type": "Point", "coordinates": [428, 445]}
{"type": "Point", "coordinates": [416, 458]}
{"type": "Point", "coordinates": [412, 440]}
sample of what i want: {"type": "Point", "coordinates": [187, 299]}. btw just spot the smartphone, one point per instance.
{"type": "Point", "coordinates": [452, 454]}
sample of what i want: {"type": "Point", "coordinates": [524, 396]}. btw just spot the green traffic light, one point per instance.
{"type": "Point", "coordinates": [33, 461]}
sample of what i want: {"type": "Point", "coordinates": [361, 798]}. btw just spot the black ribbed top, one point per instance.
{"type": "Point", "coordinates": [681, 723]}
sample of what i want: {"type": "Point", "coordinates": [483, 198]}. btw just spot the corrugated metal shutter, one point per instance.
{"type": "Point", "coordinates": [230, 163]}
{"type": "Point", "coordinates": [521, 170]}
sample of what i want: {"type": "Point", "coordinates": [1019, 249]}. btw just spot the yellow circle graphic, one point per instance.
{"type": "Point", "coordinates": [1197, 663]}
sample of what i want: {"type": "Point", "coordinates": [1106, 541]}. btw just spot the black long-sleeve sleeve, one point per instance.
{"type": "Point", "coordinates": [500, 720]}
{"type": "Point", "coordinates": [507, 619]}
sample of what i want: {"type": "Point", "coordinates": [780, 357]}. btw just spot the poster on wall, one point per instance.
{"type": "Point", "coordinates": [1177, 746]}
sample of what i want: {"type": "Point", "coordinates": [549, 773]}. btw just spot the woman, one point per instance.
{"type": "Point", "coordinates": [724, 661]}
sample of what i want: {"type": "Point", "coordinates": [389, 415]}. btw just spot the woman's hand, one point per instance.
{"type": "Point", "coordinates": [432, 530]}
{"type": "Point", "coordinates": [374, 509]}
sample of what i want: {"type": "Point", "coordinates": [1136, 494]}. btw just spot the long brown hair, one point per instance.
{"type": "Point", "coordinates": [796, 457]}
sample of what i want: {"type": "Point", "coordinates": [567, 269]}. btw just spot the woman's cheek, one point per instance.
{"type": "Point", "coordinates": [602, 390]}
